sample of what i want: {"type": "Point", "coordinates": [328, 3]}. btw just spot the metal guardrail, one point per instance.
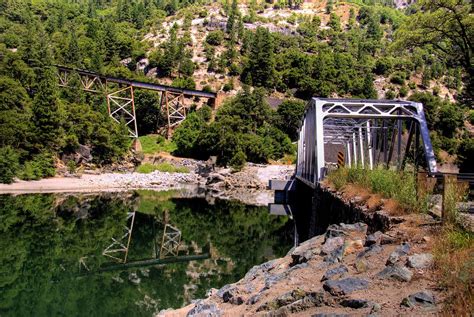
{"type": "Point", "coordinates": [467, 177]}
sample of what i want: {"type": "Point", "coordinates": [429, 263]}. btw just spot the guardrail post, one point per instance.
{"type": "Point", "coordinates": [421, 185]}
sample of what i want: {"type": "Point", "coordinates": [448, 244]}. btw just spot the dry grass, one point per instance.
{"type": "Point", "coordinates": [454, 256]}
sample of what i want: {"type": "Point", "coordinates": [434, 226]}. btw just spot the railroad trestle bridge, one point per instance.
{"type": "Point", "coordinates": [119, 93]}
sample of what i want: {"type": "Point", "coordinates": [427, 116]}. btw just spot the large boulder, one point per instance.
{"type": "Point", "coordinates": [335, 272]}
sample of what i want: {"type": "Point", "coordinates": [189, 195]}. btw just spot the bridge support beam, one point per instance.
{"type": "Point", "coordinates": [121, 106]}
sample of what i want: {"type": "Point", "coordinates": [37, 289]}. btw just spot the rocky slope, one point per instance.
{"type": "Point", "coordinates": [349, 270]}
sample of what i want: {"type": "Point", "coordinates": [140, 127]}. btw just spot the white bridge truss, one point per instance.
{"type": "Point", "coordinates": [370, 132]}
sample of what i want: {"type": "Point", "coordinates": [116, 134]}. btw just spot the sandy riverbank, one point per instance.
{"type": "Point", "coordinates": [248, 185]}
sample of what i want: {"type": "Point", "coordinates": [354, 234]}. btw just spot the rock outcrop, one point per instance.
{"type": "Point", "coordinates": [343, 272]}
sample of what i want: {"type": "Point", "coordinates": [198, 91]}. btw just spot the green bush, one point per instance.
{"type": "Point", "coordinates": [154, 143]}
{"type": "Point", "coordinates": [237, 162]}
{"type": "Point", "coordinates": [215, 37]}
{"type": "Point", "coordinates": [9, 164]}
{"type": "Point", "coordinates": [398, 78]}
{"type": "Point", "coordinates": [40, 166]}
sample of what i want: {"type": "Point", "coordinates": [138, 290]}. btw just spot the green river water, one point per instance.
{"type": "Point", "coordinates": [64, 254]}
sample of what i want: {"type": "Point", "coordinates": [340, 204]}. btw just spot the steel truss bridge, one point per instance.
{"type": "Point", "coordinates": [119, 94]}
{"type": "Point", "coordinates": [369, 133]}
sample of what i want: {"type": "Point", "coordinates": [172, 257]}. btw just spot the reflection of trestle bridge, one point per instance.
{"type": "Point", "coordinates": [165, 248]}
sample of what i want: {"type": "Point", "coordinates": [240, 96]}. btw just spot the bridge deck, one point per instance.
{"type": "Point", "coordinates": [141, 84]}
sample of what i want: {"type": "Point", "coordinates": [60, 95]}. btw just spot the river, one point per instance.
{"type": "Point", "coordinates": [104, 254]}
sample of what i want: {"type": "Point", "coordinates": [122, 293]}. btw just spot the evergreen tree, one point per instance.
{"type": "Point", "coordinates": [233, 14]}
{"type": "Point", "coordinates": [261, 65]}
{"type": "Point", "coordinates": [46, 112]}
{"type": "Point", "coordinates": [73, 54]}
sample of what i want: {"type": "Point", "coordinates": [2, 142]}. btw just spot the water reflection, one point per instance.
{"type": "Point", "coordinates": [128, 253]}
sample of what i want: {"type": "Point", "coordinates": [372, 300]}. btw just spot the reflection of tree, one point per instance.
{"type": "Point", "coordinates": [43, 238]}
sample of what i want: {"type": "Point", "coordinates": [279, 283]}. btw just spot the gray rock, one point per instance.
{"type": "Point", "coordinates": [373, 249]}
{"type": "Point", "coordinates": [236, 300]}
{"type": "Point", "coordinates": [376, 307]}
{"type": "Point", "coordinates": [393, 258]}
{"type": "Point", "coordinates": [401, 250]}
{"type": "Point", "coordinates": [273, 279]}
{"type": "Point", "coordinates": [355, 231]}
{"type": "Point", "coordinates": [310, 300]}
{"type": "Point", "coordinates": [354, 303]}
{"type": "Point", "coordinates": [298, 266]}
{"type": "Point", "coordinates": [345, 286]}
{"type": "Point", "coordinates": [204, 309]}
{"type": "Point", "coordinates": [301, 255]}
{"type": "Point", "coordinates": [420, 261]}
{"type": "Point", "coordinates": [254, 299]}
{"type": "Point", "coordinates": [396, 272]}
{"type": "Point", "coordinates": [259, 269]}
{"type": "Point", "coordinates": [337, 271]}
{"type": "Point", "coordinates": [283, 300]}
{"type": "Point", "coordinates": [386, 239]}
{"type": "Point", "coordinates": [335, 256]}
{"type": "Point", "coordinates": [331, 244]}
{"type": "Point", "coordinates": [373, 238]}
{"type": "Point", "coordinates": [224, 289]}
{"type": "Point", "coordinates": [424, 299]}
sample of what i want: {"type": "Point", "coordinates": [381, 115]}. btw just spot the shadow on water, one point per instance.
{"type": "Point", "coordinates": [127, 253]}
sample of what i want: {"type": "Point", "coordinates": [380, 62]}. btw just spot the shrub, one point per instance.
{"type": "Point", "coordinates": [9, 164]}
{"type": "Point", "coordinates": [390, 94]}
{"type": "Point", "coordinates": [237, 162]}
{"type": "Point", "coordinates": [403, 91]}
{"type": "Point", "coordinates": [153, 143]}
{"type": "Point", "coordinates": [227, 87]}
{"type": "Point", "coordinates": [390, 184]}
{"type": "Point", "coordinates": [215, 37]}
{"type": "Point", "coordinates": [398, 78]}
{"type": "Point", "coordinates": [42, 165]}
{"type": "Point", "coordinates": [71, 166]}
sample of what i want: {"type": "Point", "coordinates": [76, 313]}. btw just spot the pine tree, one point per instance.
{"type": "Point", "coordinates": [262, 60]}
{"type": "Point", "coordinates": [232, 17]}
{"type": "Point", "coordinates": [73, 54]}
{"type": "Point", "coordinates": [45, 108]}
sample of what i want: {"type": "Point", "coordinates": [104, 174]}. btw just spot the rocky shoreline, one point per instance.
{"type": "Point", "coordinates": [248, 185]}
{"type": "Point", "coordinates": [350, 270]}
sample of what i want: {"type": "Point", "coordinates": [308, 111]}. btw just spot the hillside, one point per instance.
{"type": "Point", "coordinates": [289, 50]}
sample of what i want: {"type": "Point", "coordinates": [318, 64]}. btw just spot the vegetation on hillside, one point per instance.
{"type": "Point", "coordinates": [426, 47]}
{"type": "Point", "coordinates": [245, 129]}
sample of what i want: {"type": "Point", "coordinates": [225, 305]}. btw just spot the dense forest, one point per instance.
{"type": "Point", "coordinates": [421, 51]}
